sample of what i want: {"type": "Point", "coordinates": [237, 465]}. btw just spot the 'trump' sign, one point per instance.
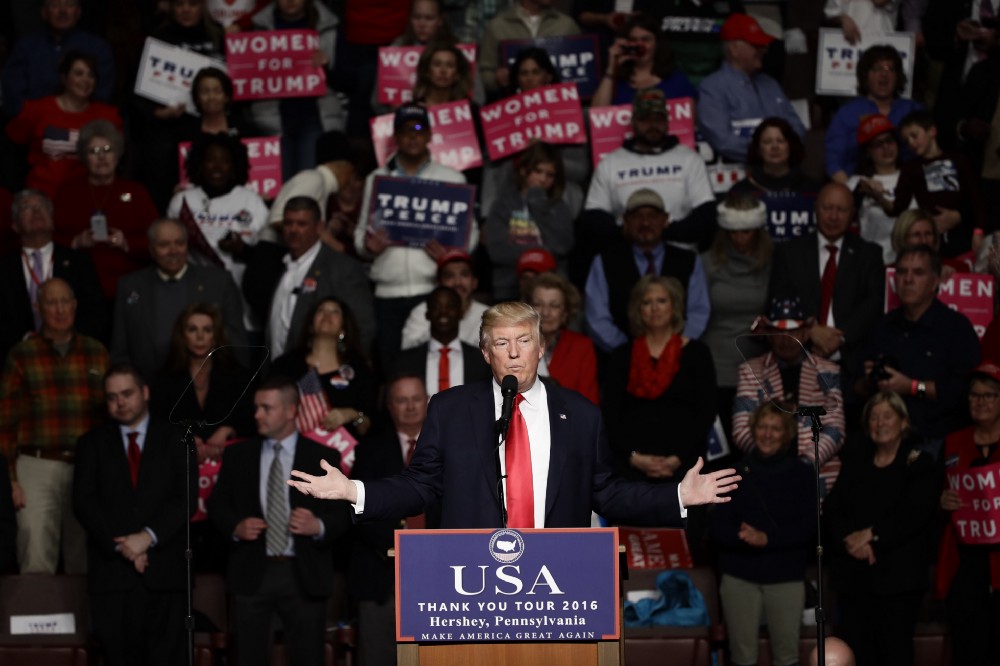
{"type": "Point", "coordinates": [610, 126]}
{"type": "Point", "coordinates": [415, 211]}
{"type": "Point", "coordinates": [274, 64]}
{"type": "Point", "coordinates": [552, 114]}
{"type": "Point", "coordinates": [454, 142]}
{"type": "Point", "coordinates": [397, 71]}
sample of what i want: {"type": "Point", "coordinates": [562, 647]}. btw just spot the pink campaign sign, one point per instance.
{"type": "Point", "coordinates": [274, 64]}
{"type": "Point", "coordinates": [979, 489]}
{"type": "Point", "coordinates": [552, 114]}
{"type": "Point", "coordinates": [265, 164]}
{"type": "Point", "coordinates": [453, 136]}
{"type": "Point", "coordinates": [397, 71]}
{"type": "Point", "coordinates": [610, 126]}
{"type": "Point", "coordinates": [968, 293]}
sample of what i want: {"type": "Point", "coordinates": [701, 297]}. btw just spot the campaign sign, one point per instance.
{"type": "Point", "coordinates": [976, 521]}
{"type": "Point", "coordinates": [655, 548]}
{"type": "Point", "coordinates": [274, 64]}
{"type": "Point", "coordinates": [208, 474]}
{"type": "Point", "coordinates": [507, 585]}
{"type": "Point", "coordinates": [552, 114]}
{"type": "Point", "coordinates": [837, 60]}
{"type": "Point", "coordinates": [574, 57]}
{"type": "Point", "coordinates": [341, 440]}
{"type": "Point", "coordinates": [968, 293]}
{"type": "Point", "coordinates": [397, 71]}
{"type": "Point", "coordinates": [265, 164]}
{"type": "Point", "coordinates": [610, 126]}
{"type": "Point", "coordinates": [167, 71]}
{"type": "Point", "coordinates": [227, 12]}
{"type": "Point", "coordinates": [789, 214]}
{"type": "Point", "coordinates": [722, 174]}
{"type": "Point", "coordinates": [414, 211]}
{"type": "Point", "coordinates": [454, 142]}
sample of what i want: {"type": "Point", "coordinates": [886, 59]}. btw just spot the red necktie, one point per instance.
{"type": "Point", "coordinates": [133, 457]}
{"type": "Point", "coordinates": [411, 445]}
{"type": "Point", "coordinates": [520, 492]}
{"type": "Point", "coordinates": [444, 370]}
{"type": "Point", "coordinates": [827, 282]}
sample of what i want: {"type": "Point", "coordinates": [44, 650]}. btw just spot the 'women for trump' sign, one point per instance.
{"type": "Point", "coordinates": [552, 114]}
{"type": "Point", "coordinates": [274, 64]}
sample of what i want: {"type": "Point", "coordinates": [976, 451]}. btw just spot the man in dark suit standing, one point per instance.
{"type": "Point", "coordinates": [283, 283]}
{"type": "Point", "coordinates": [556, 457]}
{"type": "Point", "coordinates": [839, 279]}
{"type": "Point", "coordinates": [280, 559]}
{"type": "Point", "coordinates": [445, 360]}
{"type": "Point", "coordinates": [129, 495]}
{"type": "Point", "coordinates": [371, 585]}
{"type": "Point", "coordinates": [150, 299]}
{"type": "Point", "coordinates": [39, 259]}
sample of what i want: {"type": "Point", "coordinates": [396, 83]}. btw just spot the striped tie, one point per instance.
{"type": "Point", "coordinates": [277, 506]}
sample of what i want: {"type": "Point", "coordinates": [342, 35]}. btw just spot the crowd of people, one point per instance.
{"type": "Point", "coordinates": [142, 293]}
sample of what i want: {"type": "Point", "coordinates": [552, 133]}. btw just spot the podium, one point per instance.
{"type": "Point", "coordinates": [500, 597]}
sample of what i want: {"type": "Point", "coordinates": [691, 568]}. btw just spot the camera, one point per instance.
{"type": "Point", "coordinates": [634, 50]}
{"type": "Point", "coordinates": [879, 371]}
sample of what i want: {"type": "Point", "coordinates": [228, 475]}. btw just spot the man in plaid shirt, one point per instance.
{"type": "Point", "coordinates": [51, 392]}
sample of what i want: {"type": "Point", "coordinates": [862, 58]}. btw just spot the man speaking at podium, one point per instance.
{"type": "Point", "coordinates": [555, 459]}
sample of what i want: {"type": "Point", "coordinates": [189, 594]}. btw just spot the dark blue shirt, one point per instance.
{"type": "Point", "coordinates": [941, 346]}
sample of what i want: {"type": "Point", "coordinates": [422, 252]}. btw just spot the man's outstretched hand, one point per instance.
{"type": "Point", "coordinates": [698, 488]}
{"type": "Point", "coordinates": [332, 485]}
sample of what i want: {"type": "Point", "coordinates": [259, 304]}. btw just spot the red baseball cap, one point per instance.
{"type": "Point", "coordinates": [746, 28]}
{"type": "Point", "coordinates": [454, 255]}
{"type": "Point", "coordinates": [871, 126]}
{"type": "Point", "coordinates": [538, 260]}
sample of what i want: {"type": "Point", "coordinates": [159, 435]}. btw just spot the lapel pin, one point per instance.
{"type": "Point", "coordinates": [562, 416]}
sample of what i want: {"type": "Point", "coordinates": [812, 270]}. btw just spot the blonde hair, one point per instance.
{"type": "Point", "coordinates": [905, 221]}
{"type": "Point", "coordinates": [511, 313]}
{"type": "Point", "coordinates": [674, 290]}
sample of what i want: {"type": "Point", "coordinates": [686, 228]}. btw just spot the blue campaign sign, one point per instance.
{"type": "Point", "coordinates": [507, 585]}
{"type": "Point", "coordinates": [789, 214]}
{"type": "Point", "coordinates": [574, 57]}
{"type": "Point", "coordinates": [414, 211]}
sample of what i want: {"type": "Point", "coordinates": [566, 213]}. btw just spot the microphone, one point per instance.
{"type": "Point", "coordinates": [508, 389]}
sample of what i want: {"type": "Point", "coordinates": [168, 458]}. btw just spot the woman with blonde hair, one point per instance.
{"type": "Point", "coordinates": [659, 396]}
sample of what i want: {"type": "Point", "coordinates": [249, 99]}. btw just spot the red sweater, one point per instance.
{"type": "Point", "coordinates": [51, 135]}
{"type": "Point", "coordinates": [127, 206]}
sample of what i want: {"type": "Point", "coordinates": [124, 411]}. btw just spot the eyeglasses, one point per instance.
{"type": "Point", "coordinates": [989, 396]}
{"type": "Point", "coordinates": [98, 150]}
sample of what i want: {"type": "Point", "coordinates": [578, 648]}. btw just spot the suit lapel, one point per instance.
{"type": "Point", "coordinates": [482, 410]}
{"type": "Point", "coordinates": [811, 284]}
{"type": "Point", "coordinates": [560, 442]}
{"type": "Point", "coordinates": [14, 280]}
{"type": "Point", "coordinates": [307, 297]}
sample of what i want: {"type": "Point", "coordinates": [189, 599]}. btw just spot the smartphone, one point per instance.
{"type": "Point", "coordinates": [99, 226]}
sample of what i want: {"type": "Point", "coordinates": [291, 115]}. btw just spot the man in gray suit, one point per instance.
{"type": "Point", "coordinates": [149, 300]}
{"type": "Point", "coordinates": [283, 284]}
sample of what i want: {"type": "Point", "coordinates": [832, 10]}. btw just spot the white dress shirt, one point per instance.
{"type": "Point", "coordinates": [285, 297]}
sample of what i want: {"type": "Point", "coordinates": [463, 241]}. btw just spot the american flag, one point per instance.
{"type": "Point", "coordinates": [313, 406]}
{"type": "Point", "coordinates": [312, 402]}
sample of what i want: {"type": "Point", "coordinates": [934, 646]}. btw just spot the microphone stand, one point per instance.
{"type": "Point", "coordinates": [187, 439]}
{"type": "Point", "coordinates": [502, 437]}
{"type": "Point", "coordinates": [815, 414]}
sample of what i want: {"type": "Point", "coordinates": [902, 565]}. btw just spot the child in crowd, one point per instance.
{"type": "Point", "coordinates": [942, 183]}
